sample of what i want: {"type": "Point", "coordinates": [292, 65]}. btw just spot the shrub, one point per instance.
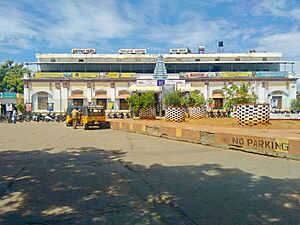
{"type": "Point", "coordinates": [134, 102]}
{"type": "Point", "coordinates": [174, 99]}
{"type": "Point", "coordinates": [147, 100]}
{"type": "Point", "coordinates": [195, 100]}
{"type": "Point", "coordinates": [141, 101]}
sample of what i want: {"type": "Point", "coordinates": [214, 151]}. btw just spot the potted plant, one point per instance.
{"type": "Point", "coordinates": [147, 102]}
{"type": "Point", "coordinates": [196, 105]}
{"type": "Point", "coordinates": [175, 103]}
{"type": "Point", "coordinates": [244, 99]}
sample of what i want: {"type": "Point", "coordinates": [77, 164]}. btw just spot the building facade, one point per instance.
{"type": "Point", "coordinates": [85, 77]}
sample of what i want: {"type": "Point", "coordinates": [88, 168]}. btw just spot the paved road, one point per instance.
{"type": "Point", "coordinates": [50, 174]}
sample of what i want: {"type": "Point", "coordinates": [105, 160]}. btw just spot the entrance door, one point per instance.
{"type": "Point", "coordinates": [218, 103]}
{"type": "Point", "coordinates": [277, 102]}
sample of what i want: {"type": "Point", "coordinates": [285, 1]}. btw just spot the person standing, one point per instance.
{"type": "Point", "coordinates": [75, 114]}
{"type": "Point", "coordinates": [14, 116]}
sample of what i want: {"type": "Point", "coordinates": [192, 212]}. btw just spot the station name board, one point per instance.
{"type": "Point", "coordinates": [84, 51]}
{"type": "Point", "coordinates": [8, 95]}
{"type": "Point", "coordinates": [180, 51]}
{"type": "Point", "coordinates": [132, 51]}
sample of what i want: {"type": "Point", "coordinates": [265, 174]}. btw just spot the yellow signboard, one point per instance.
{"type": "Point", "coordinates": [48, 75]}
{"type": "Point", "coordinates": [113, 75]}
{"type": "Point", "coordinates": [85, 75]}
{"type": "Point", "coordinates": [235, 74]}
{"type": "Point", "coordinates": [127, 75]}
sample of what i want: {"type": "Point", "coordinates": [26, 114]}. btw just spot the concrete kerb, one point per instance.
{"type": "Point", "coordinates": [286, 147]}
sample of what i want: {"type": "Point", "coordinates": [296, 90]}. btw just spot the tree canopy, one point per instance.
{"type": "Point", "coordinates": [295, 105]}
{"type": "Point", "coordinates": [239, 95]}
{"type": "Point", "coordinates": [11, 75]}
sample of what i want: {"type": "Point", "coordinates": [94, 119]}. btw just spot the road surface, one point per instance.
{"type": "Point", "coordinates": [50, 174]}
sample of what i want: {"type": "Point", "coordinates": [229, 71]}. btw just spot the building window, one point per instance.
{"type": "Point", "coordinates": [264, 59]}
{"type": "Point", "coordinates": [42, 101]}
{"type": "Point", "coordinates": [80, 60]}
{"type": "Point", "coordinates": [78, 102]}
{"type": "Point", "coordinates": [102, 102]}
{"type": "Point", "coordinates": [197, 60]}
{"type": "Point", "coordinates": [217, 59]}
{"type": "Point", "coordinates": [237, 59]}
{"type": "Point", "coordinates": [123, 104]}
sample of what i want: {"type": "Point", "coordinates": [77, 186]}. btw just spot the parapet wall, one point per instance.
{"type": "Point", "coordinates": [287, 148]}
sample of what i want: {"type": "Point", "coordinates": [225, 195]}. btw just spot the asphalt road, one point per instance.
{"type": "Point", "coordinates": [50, 174]}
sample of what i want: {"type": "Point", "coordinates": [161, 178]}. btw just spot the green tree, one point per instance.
{"type": "Point", "coordinates": [11, 75]}
{"type": "Point", "coordinates": [295, 105]}
{"type": "Point", "coordinates": [239, 95]}
{"type": "Point", "coordinates": [134, 102]}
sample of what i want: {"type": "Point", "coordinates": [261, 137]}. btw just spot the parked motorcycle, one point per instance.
{"type": "Point", "coordinates": [38, 117]}
{"type": "Point", "coordinates": [20, 118]}
{"type": "Point", "coordinates": [60, 118]}
{"type": "Point", "coordinates": [50, 117]}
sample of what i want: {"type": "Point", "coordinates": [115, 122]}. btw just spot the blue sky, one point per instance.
{"type": "Point", "coordinates": [31, 26]}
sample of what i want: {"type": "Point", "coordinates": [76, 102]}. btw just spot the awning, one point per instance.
{"type": "Point", "coordinates": [123, 96]}
{"type": "Point", "coordinates": [185, 88]}
{"type": "Point", "coordinates": [77, 96]}
{"type": "Point", "coordinates": [100, 96]}
{"type": "Point", "coordinates": [144, 88]}
{"type": "Point", "coordinates": [217, 96]}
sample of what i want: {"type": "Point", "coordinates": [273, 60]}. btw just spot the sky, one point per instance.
{"type": "Point", "coordinates": [28, 27]}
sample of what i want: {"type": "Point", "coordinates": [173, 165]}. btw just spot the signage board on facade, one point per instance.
{"type": "Point", "coordinates": [271, 74]}
{"type": "Point", "coordinates": [146, 82]}
{"type": "Point", "coordinates": [85, 75]}
{"type": "Point", "coordinates": [84, 51]}
{"type": "Point", "coordinates": [113, 75]}
{"type": "Point", "coordinates": [127, 75]}
{"type": "Point", "coordinates": [235, 74]}
{"type": "Point", "coordinates": [48, 75]}
{"type": "Point", "coordinates": [180, 50]}
{"type": "Point", "coordinates": [161, 82]}
{"type": "Point", "coordinates": [50, 107]}
{"type": "Point", "coordinates": [197, 74]}
{"type": "Point", "coordinates": [110, 105]}
{"type": "Point", "coordinates": [8, 95]}
{"type": "Point", "coordinates": [175, 82]}
{"type": "Point", "coordinates": [28, 107]}
{"type": "Point", "coordinates": [132, 51]}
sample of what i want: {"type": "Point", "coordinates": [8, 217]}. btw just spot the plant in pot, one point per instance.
{"type": "Point", "coordinates": [147, 102]}
{"type": "Point", "coordinates": [175, 103]}
{"type": "Point", "coordinates": [134, 104]}
{"type": "Point", "coordinates": [244, 99]}
{"type": "Point", "coordinates": [196, 105]}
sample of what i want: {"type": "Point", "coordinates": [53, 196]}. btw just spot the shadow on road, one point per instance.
{"type": "Point", "coordinates": [90, 186]}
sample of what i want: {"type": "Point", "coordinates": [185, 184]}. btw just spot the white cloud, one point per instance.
{"type": "Point", "coordinates": [84, 22]}
{"type": "Point", "coordinates": [278, 8]}
{"type": "Point", "coordinates": [193, 31]}
{"type": "Point", "coordinates": [61, 23]}
{"type": "Point", "coordinates": [288, 43]}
